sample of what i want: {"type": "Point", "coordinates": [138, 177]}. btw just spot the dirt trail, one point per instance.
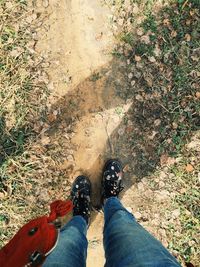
{"type": "Point", "coordinates": [77, 40]}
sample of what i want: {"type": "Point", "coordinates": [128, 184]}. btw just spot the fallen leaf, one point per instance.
{"type": "Point", "coordinates": [189, 168]}
{"type": "Point", "coordinates": [2, 195]}
{"type": "Point", "coordinates": [139, 98]}
{"type": "Point", "coordinates": [145, 39]}
{"type": "Point", "coordinates": [140, 32]}
{"type": "Point", "coordinates": [157, 122]}
{"type": "Point", "coordinates": [51, 117]}
{"type": "Point", "coordinates": [188, 37]}
{"type": "Point", "coordinates": [133, 82]}
{"type": "Point", "coordinates": [126, 168]}
{"type": "Point", "coordinates": [166, 22]}
{"type": "Point", "coordinates": [45, 140]}
{"type": "Point", "coordinates": [173, 34]}
{"type": "Point", "coordinates": [137, 58]}
{"type": "Point", "coordinates": [198, 95]}
{"type": "Point", "coordinates": [130, 75]}
{"type": "Point", "coordinates": [188, 22]}
{"type": "Point", "coordinates": [152, 59]}
{"type": "Point", "coordinates": [163, 159]}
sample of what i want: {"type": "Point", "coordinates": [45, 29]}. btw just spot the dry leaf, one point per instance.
{"type": "Point", "coordinates": [188, 37]}
{"type": "Point", "coordinates": [189, 168]}
{"type": "Point", "coordinates": [139, 98]}
{"type": "Point", "coordinates": [51, 117]}
{"type": "Point", "coordinates": [2, 195]}
{"type": "Point", "coordinates": [137, 58]}
{"type": "Point", "coordinates": [126, 168]}
{"type": "Point", "coordinates": [157, 122]}
{"type": "Point", "coordinates": [45, 140]}
{"type": "Point", "coordinates": [188, 22]}
{"type": "Point", "coordinates": [152, 59]}
{"type": "Point", "coordinates": [198, 95]}
{"type": "Point", "coordinates": [145, 39]}
{"type": "Point", "coordinates": [130, 75]}
{"type": "Point", "coordinates": [140, 32]}
{"type": "Point", "coordinates": [166, 160]}
{"type": "Point", "coordinates": [173, 34]}
{"type": "Point", "coordinates": [166, 22]}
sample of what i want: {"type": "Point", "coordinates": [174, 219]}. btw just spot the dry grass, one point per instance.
{"type": "Point", "coordinates": [22, 102]}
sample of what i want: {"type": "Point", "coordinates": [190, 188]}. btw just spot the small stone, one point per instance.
{"type": "Point", "coordinates": [70, 158]}
{"type": "Point", "coordinates": [45, 3]}
{"type": "Point", "coordinates": [157, 122]}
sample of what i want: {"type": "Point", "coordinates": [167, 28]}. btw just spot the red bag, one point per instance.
{"type": "Point", "coordinates": [35, 240]}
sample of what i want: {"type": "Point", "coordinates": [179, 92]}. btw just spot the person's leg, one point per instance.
{"type": "Point", "coordinates": [127, 243]}
{"type": "Point", "coordinates": [71, 250]}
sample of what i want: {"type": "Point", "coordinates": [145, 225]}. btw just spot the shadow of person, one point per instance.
{"type": "Point", "coordinates": [86, 118]}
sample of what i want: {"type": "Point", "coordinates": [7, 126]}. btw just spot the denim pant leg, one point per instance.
{"type": "Point", "coordinates": [128, 244]}
{"type": "Point", "coordinates": [71, 250]}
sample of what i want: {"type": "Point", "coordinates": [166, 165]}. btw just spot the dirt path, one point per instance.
{"type": "Point", "coordinates": [77, 40]}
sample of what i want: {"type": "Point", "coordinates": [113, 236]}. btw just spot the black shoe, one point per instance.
{"type": "Point", "coordinates": [80, 195]}
{"type": "Point", "coordinates": [112, 179]}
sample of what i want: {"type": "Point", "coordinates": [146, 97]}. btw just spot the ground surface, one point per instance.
{"type": "Point", "coordinates": [93, 80]}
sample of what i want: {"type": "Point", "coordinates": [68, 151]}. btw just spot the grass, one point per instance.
{"type": "Point", "coordinates": [164, 62]}
{"type": "Point", "coordinates": [22, 98]}
{"type": "Point", "coordinates": [166, 102]}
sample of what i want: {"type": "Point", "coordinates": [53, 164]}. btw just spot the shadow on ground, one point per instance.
{"type": "Point", "coordinates": [136, 120]}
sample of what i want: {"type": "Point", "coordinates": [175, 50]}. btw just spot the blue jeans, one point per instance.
{"type": "Point", "coordinates": [126, 242]}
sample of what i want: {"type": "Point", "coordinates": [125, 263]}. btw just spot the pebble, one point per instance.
{"type": "Point", "coordinates": [70, 158]}
{"type": "Point", "coordinates": [45, 3]}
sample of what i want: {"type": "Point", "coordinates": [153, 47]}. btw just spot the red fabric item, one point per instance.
{"type": "Point", "coordinates": [38, 235]}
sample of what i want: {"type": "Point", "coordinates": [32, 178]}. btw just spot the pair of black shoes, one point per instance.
{"type": "Point", "coordinates": [111, 187]}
